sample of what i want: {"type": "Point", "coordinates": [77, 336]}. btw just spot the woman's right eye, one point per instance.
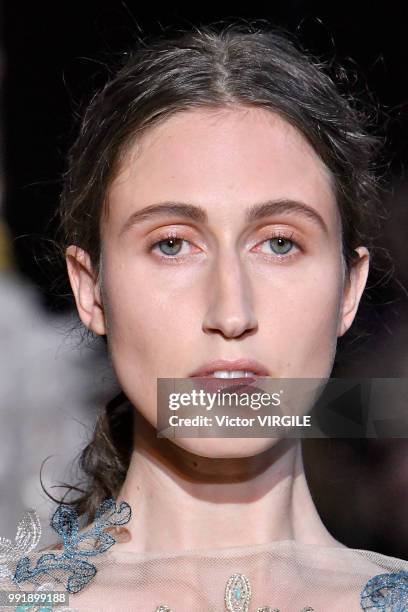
{"type": "Point", "coordinates": [170, 246]}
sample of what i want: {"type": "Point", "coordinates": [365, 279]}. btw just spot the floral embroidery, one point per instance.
{"type": "Point", "coordinates": [27, 537]}
{"type": "Point", "coordinates": [386, 593]}
{"type": "Point", "coordinates": [72, 561]}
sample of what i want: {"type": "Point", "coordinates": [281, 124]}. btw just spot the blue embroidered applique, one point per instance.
{"type": "Point", "coordinates": [386, 593]}
{"type": "Point", "coordinates": [72, 560]}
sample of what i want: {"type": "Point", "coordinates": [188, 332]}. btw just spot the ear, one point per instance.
{"type": "Point", "coordinates": [86, 289]}
{"type": "Point", "coordinates": [354, 285]}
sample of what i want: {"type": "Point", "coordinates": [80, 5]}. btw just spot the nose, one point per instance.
{"type": "Point", "coordinates": [230, 309]}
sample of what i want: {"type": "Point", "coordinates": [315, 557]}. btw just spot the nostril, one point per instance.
{"type": "Point", "coordinates": [231, 329]}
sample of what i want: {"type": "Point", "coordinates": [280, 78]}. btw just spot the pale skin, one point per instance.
{"type": "Point", "coordinates": [226, 294]}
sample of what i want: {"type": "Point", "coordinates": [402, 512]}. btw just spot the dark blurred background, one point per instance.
{"type": "Point", "coordinates": [56, 55]}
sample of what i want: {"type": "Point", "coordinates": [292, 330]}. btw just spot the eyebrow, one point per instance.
{"type": "Point", "coordinates": [255, 212]}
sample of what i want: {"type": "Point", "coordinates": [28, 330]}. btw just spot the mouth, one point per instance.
{"type": "Point", "coordinates": [223, 374]}
{"type": "Point", "coordinates": [237, 369]}
{"type": "Point", "coordinates": [235, 375]}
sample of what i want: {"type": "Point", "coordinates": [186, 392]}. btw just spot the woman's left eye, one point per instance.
{"type": "Point", "coordinates": [278, 245]}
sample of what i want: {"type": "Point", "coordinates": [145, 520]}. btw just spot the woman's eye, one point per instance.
{"type": "Point", "coordinates": [170, 246]}
{"type": "Point", "coordinates": [173, 246]}
{"type": "Point", "coordinates": [278, 245]}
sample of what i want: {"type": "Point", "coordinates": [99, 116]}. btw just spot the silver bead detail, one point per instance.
{"type": "Point", "coordinates": [237, 593]}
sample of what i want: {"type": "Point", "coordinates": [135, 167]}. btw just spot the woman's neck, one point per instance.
{"type": "Point", "coordinates": [182, 501]}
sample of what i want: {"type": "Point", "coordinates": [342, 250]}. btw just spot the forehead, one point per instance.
{"type": "Point", "coordinates": [223, 160]}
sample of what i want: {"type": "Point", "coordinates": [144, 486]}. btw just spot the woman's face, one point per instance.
{"type": "Point", "coordinates": [222, 242]}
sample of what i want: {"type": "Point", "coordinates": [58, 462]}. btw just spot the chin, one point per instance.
{"type": "Point", "coordinates": [225, 448]}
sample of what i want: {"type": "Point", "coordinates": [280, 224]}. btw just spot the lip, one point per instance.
{"type": "Point", "coordinates": [209, 384]}
{"type": "Point", "coordinates": [250, 365]}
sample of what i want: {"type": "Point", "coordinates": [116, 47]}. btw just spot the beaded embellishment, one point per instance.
{"type": "Point", "coordinates": [386, 593]}
{"type": "Point", "coordinates": [237, 597]}
{"type": "Point", "coordinates": [73, 560]}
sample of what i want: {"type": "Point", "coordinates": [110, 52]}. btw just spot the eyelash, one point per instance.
{"type": "Point", "coordinates": [178, 258]}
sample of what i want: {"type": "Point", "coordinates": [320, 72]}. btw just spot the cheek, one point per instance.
{"type": "Point", "coordinates": [301, 318]}
{"type": "Point", "coordinates": [148, 321]}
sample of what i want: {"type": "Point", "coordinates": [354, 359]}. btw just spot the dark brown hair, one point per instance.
{"type": "Point", "coordinates": [207, 67]}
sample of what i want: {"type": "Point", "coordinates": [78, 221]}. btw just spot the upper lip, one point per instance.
{"type": "Point", "coordinates": [248, 365]}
